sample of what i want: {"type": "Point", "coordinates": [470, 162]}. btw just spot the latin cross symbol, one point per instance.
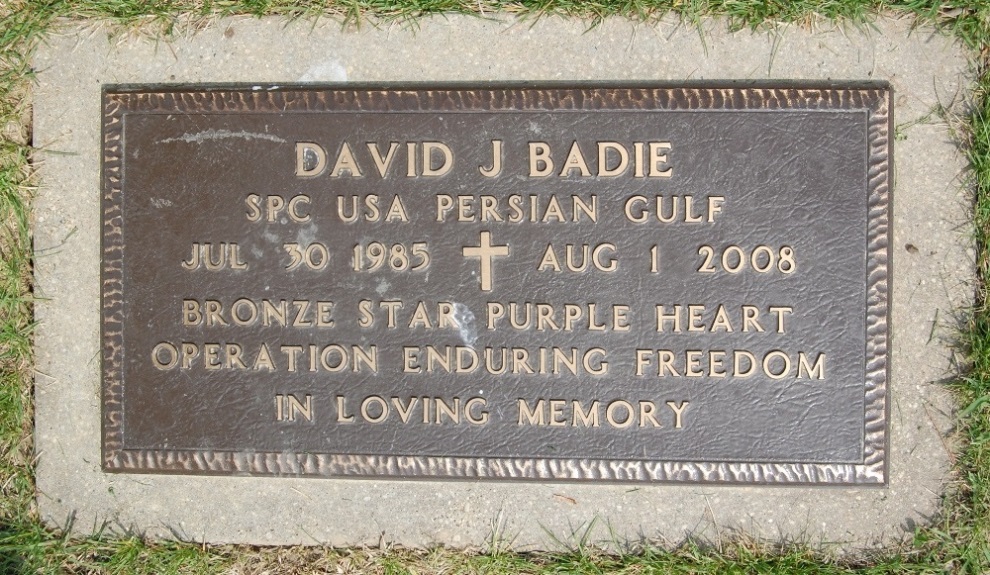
{"type": "Point", "coordinates": [485, 252]}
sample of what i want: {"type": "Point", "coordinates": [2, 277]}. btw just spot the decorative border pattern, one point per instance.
{"type": "Point", "coordinates": [875, 98]}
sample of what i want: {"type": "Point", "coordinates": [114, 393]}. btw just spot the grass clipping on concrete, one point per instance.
{"type": "Point", "coordinates": [958, 541]}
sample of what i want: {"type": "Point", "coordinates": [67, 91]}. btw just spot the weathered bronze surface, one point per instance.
{"type": "Point", "coordinates": [609, 284]}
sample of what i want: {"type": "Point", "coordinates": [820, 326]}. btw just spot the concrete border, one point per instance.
{"type": "Point", "coordinates": [933, 278]}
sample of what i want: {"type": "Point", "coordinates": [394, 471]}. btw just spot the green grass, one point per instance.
{"type": "Point", "coordinates": [958, 541]}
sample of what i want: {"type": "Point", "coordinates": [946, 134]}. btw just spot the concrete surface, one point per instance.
{"type": "Point", "coordinates": [932, 281]}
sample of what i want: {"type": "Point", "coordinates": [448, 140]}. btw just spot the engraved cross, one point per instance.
{"type": "Point", "coordinates": [485, 252]}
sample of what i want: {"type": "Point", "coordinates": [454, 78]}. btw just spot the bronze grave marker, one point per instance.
{"type": "Point", "coordinates": [608, 284]}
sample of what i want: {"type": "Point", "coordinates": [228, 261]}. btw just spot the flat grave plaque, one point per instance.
{"type": "Point", "coordinates": [599, 284]}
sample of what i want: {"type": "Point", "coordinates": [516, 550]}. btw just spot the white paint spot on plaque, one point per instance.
{"type": "Point", "coordinates": [211, 134]}
{"type": "Point", "coordinates": [382, 287]}
{"type": "Point", "coordinates": [306, 235]}
{"type": "Point", "coordinates": [161, 203]}
{"type": "Point", "coordinates": [323, 71]}
{"type": "Point", "coordinates": [467, 326]}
